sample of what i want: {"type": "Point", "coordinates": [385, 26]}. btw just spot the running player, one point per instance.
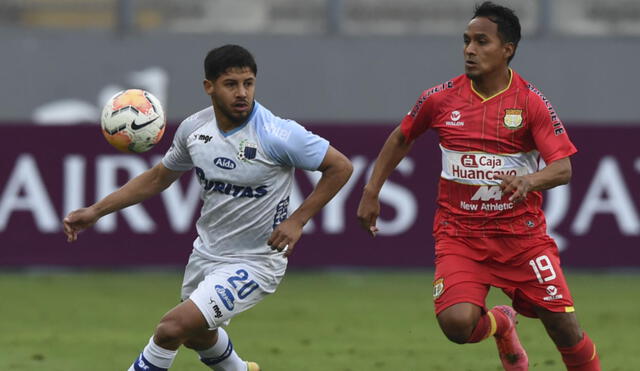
{"type": "Point", "coordinates": [244, 158]}
{"type": "Point", "coordinates": [489, 228]}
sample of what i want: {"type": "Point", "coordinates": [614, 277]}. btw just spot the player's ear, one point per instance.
{"type": "Point", "coordinates": [208, 86]}
{"type": "Point", "coordinates": [509, 49]}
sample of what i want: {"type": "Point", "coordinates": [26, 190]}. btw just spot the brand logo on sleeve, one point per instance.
{"type": "Point", "coordinates": [278, 132]}
{"type": "Point", "coordinates": [282, 210]}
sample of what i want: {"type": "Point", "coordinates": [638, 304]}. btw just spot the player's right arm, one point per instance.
{"type": "Point", "coordinates": [393, 151]}
{"type": "Point", "coordinates": [138, 189]}
{"type": "Point", "coordinates": [398, 144]}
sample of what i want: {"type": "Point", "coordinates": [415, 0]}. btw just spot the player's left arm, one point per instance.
{"type": "Point", "coordinates": [554, 174]}
{"type": "Point", "coordinates": [554, 145]}
{"type": "Point", "coordinates": [336, 170]}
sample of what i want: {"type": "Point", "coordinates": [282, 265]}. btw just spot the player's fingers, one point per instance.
{"type": "Point", "coordinates": [518, 194]}
{"type": "Point", "coordinates": [288, 249]}
{"type": "Point", "coordinates": [364, 221]}
{"type": "Point", "coordinates": [68, 231]}
{"type": "Point", "coordinates": [372, 225]}
{"type": "Point", "coordinates": [279, 242]}
{"type": "Point", "coordinates": [373, 230]}
{"type": "Point", "coordinates": [368, 222]}
{"type": "Point", "coordinates": [282, 246]}
{"type": "Point", "coordinates": [275, 236]}
{"type": "Point", "coordinates": [72, 236]}
{"type": "Point", "coordinates": [509, 187]}
{"type": "Point", "coordinates": [373, 220]}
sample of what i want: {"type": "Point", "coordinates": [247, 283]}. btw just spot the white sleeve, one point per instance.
{"type": "Point", "coordinates": [290, 144]}
{"type": "Point", "coordinates": [177, 157]}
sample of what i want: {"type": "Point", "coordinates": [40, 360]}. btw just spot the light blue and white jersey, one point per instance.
{"type": "Point", "coordinates": [246, 176]}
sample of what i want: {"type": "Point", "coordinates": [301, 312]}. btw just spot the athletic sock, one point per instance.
{"type": "Point", "coordinates": [153, 358]}
{"type": "Point", "coordinates": [492, 323]}
{"type": "Point", "coordinates": [482, 330]}
{"type": "Point", "coordinates": [221, 356]}
{"type": "Point", "coordinates": [582, 356]}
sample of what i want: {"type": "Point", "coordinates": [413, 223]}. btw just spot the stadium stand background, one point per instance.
{"type": "Point", "coordinates": [320, 60]}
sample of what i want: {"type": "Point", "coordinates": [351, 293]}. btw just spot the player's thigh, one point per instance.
{"type": "Point", "coordinates": [459, 279]}
{"type": "Point", "coordinates": [228, 290]}
{"type": "Point", "coordinates": [537, 283]}
{"type": "Point", "coordinates": [195, 271]}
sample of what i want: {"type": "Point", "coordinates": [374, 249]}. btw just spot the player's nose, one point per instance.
{"type": "Point", "coordinates": [469, 51]}
{"type": "Point", "coordinates": [242, 92]}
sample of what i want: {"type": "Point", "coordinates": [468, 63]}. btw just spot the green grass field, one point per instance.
{"type": "Point", "coordinates": [320, 321]}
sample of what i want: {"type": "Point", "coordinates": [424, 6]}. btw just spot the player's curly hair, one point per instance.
{"type": "Point", "coordinates": [222, 58]}
{"type": "Point", "coordinates": [506, 19]}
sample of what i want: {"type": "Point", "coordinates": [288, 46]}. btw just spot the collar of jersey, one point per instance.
{"type": "Point", "coordinates": [233, 131]}
{"type": "Point", "coordinates": [496, 94]}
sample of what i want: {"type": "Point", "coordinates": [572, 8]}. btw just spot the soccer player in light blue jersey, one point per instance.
{"type": "Point", "coordinates": [244, 158]}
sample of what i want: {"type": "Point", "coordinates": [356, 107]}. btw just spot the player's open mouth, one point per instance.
{"type": "Point", "coordinates": [469, 63]}
{"type": "Point", "coordinates": [241, 106]}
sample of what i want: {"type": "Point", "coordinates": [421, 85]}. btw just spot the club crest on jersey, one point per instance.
{"type": "Point", "coordinates": [247, 150]}
{"type": "Point", "coordinates": [513, 118]}
{"type": "Point", "coordinates": [438, 288]}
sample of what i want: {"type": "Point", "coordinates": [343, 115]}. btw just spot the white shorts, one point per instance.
{"type": "Point", "coordinates": [222, 290]}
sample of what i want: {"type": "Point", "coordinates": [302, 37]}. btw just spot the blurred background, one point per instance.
{"type": "Point", "coordinates": [348, 70]}
{"type": "Point", "coordinates": [355, 61]}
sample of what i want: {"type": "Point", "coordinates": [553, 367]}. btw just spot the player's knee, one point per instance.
{"type": "Point", "coordinates": [456, 328]}
{"type": "Point", "coordinates": [170, 332]}
{"type": "Point", "coordinates": [457, 335]}
{"type": "Point", "coordinates": [201, 341]}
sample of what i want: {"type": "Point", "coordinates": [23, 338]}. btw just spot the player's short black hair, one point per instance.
{"type": "Point", "coordinates": [506, 19]}
{"type": "Point", "coordinates": [220, 59]}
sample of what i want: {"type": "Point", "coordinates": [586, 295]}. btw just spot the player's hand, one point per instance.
{"type": "Point", "coordinates": [368, 212]}
{"type": "Point", "coordinates": [517, 186]}
{"type": "Point", "coordinates": [285, 236]}
{"type": "Point", "coordinates": [77, 221]}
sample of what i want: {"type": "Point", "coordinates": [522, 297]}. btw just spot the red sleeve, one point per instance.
{"type": "Point", "coordinates": [419, 119]}
{"type": "Point", "coordinates": [549, 134]}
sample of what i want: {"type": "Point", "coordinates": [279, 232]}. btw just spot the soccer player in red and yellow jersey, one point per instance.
{"type": "Point", "coordinates": [494, 127]}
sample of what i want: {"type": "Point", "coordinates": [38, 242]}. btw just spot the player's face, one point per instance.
{"type": "Point", "coordinates": [484, 51]}
{"type": "Point", "coordinates": [232, 95]}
